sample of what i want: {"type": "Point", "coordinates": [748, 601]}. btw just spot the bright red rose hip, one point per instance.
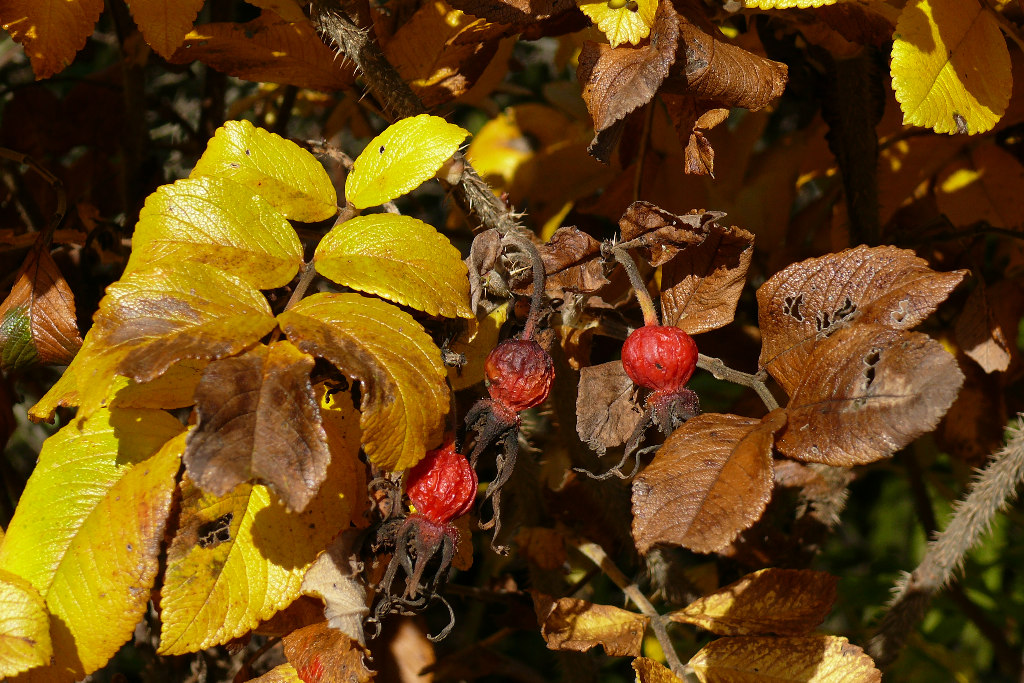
{"type": "Point", "coordinates": [442, 486]}
{"type": "Point", "coordinates": [519, 374]}
{"type": "Point", "coordinates": [659, 357]}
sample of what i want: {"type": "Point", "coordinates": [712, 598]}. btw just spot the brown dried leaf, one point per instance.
{"type": "Point", "coordinates": [868, 391]}
{"type": "Point", "coordinates": [701, 286]}
{"type": "Point", "coordinates": [518, 12]}
{"type": "Point", "coordinates": [320, 654]}
{"type": "Point", "coordinates": [710, 480]}
{"type": "Point", "coordinates": [979, 333]}
{"type": "Point", "coordinates": [723, 73]}
{"type": "Point", "coordinates": [578, 625]}
{"type": "Point", "coordinates": [336, 579]}
{"type": "Point", "coordinates": [660, 233]}
{"type": "Point", "coordinates": [543, 547]}
{"type": "Point", "coordinates": [572, 262]}
{"type": "Point", "coordinates": [619, 80]}
{"type": "Point", "coordinates": [973, 426]}
{"type": "Point", "coordinates": [37, 319]}
{"type": "Point", "coordinates": [803, 659]}
{"type": "Point", "coordinates": [802, 305]}
{"type": "Point", "coordinates": [606, 408]}
{"type": "Point", "coordinates": [258, 419]}
{"type": "Point", "coordinates": [984, 185]}
{"type": "Point", "coordinates": [650, 671]}
{"type": "Point", "coordinates": [267, 49]}
{"type": "Point", "coordinates": [692, 119]}
{"type": "Point", "coordinates": [857, 23]}
{"type": "Point", "coordinates": [788, 602]}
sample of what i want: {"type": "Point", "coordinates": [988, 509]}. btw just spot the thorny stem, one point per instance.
{"type": "Point", "coordinates": [719, 370]}
{"type": "Point", "coordinates": [642, 295]}
{"type": "Point", "coordinates": [55, 183]}
{"type": "Point", "coordinates": [524, 245]}
{"type": "Point", "coordinates": [598, 556]}
{"type": "Point", "coordinates": [992, 490]}
{"type": "Point", "coordinates": [306, 275]}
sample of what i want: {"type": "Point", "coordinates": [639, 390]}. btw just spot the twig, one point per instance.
{"type": "Point", "coordinates": [719, 370]}
{"type": "Point", "coordinates": [639, 286]}
{"type": "Point", "coordinates": [524, 245]}
{"type": "Point", "coordinates": [598, 556]}
{"type": "Point", "coordinates": [992, 490]}
{"type": "Point", "coordinates": [306, 275]}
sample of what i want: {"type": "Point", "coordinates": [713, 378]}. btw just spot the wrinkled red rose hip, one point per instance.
{"type": "Point", "coordinates": [659, 357]}
{"type": "Point", "coordinates": [442, 486]}
{"type": "Point", "coordinates": [519, 374]}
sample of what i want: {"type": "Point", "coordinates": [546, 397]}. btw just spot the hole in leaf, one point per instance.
{"type": "Point", "coordinates": [216, 532]}
{"type": "Point", "coordinates": [791, 307]}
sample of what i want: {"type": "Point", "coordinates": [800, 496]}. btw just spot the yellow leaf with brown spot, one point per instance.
{"type": "Point", "coordinates": [95, 506]}
{"type": "Point", "coordinates": [399, 258]}
{"type": "Point", "coordinates": [52, 31]}
{"type": "Point", "coordinates": [218, 222]}
{"type": "Point", "coordinates": [803, 659]}
{"type": "Point", "coordinates": [287, 176]}
{"type": "Point", "coordinates": [578, 625]}
{"type": "Point", "coordinates": [404, 394]}
{"type": "Point", "coordinates": [164, 23]}
{"type": "Point", "coordinates": [622, 22]}
{"type": "Point", "coordinates": [24, 625]}
{"type": "Point", "coordinates": [950, 66]}
{"type": "Point", "coordinates": [782, 601]}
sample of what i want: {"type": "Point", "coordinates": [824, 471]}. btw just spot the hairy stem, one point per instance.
{"type": "Point", "coordinates": [526, 246]}
{"type": "Point", "coordinates": [639, 286]}
{"type": "Point", "coordinates": [598, 556]}
{"type": "Point", "coordinates": [992, 490]}
{"type": "Point", "coordinates": [720, 370]}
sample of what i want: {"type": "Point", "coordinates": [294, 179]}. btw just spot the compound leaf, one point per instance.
{"type": "Point", "coordinates": [399, 258]}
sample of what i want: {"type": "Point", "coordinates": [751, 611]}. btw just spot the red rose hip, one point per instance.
{"type": "Point", "coordinates": [659, 357]}
{"type": "Point", "coordinates": [442, 486]}
{"type": "Point", "coordinates": [519, 374]}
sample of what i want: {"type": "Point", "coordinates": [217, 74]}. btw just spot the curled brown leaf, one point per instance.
{"type": "Point", "coordinates": [661, 234]}
{"type": "Point", "coordinates": [606, 408]}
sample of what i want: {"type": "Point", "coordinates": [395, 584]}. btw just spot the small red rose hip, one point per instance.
{"type": "Point", "coordinates": [519, 374]}
{"type": "Point", "coordinates": [659, 357]}
{"type": "Point", "coordinates": [442, 486]}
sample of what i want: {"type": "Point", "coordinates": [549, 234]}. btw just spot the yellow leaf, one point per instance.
{"type": "Point", "coordinates": [238, 559]}
{"type": "Point", "coordinates": [153, 318]}
{"type": "Point", "coordinates": [88, 529]}
{"type": "Point", "coordinates": [404, 394]}
{"type": "Point", "coordinates": [650, 671]}
{"type": "Point", "coordinates": [807, 659]}
{"type": "Point", "coordinates": [401, 158]}
{"type": "Point", "coordinates": [950, 66]}
{"type": "Point", "coordinates": [281, 172]}
{"type": "Point", "coordinates": [24, 626]}
{"type": "Point", "coordinates": [283, 673]}
{"type": "Point", "coordinates": [475, 343]}
{"type": "Point", "coordinates": [63, 393]}
{"type": "Point", "coordinates": [52, 31]}
{"type": "Point", "coordinates": [221, 223]}
{"type": "Point", "coordinates": [628, 22]}
{"type": "Point", "coordinates": [786, 4]}
{"type": "Point", "coordinates": [164, 23]}
{"type": "Point", "coordinates": [288, 10]}
{"type": "Point", "coordinates": [399, 258]}
{"type": "Point", "coordinates": [571, 624]}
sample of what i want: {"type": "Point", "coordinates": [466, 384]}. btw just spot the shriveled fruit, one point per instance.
{"type": "Point", "coordinates": [519, 374]}
{"type": "Point", "coordinates": [442, 486]}
{"type": "Point", "coordinates": [659, 357]}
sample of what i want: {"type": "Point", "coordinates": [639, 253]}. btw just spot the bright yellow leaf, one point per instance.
{"type": "Point", "coordinates": [572, 624]}
{"type": "Point", "coordinates": [24, 626]}
{"type": "Point", "coordinates": [88, 529]}
{"type": "Point", "coordinates": [950, 66]}
{"type": "Point", "coordinates": [622, 22]}
{"type": "Point", "coordinates": [803, 659]}
{"type": "Point", "coordinates": [164, 23]}
{"type": "Point", "coordinates": [283, 673]}
{"type": "Point", "coordinates": [153, 318]}
{"type": "Point", "coordinates": [238, 559]}
{"type": "Point", "coordinates": [475, 343]}
{"type": "Point", "coordinates": [399, 258]}
{"type": "Point", "coordinates": [400, 159]}
{"type": "Point", "coordinates": [52, 31]}
{"type": "Point", "coordinates": [404, 394]}
{"type": "Point", "coordinates": [278, 170]}
{"type": "Point", "coordinates": [219, 222]}
{"type": "Point", "coordinates": [649, 671]}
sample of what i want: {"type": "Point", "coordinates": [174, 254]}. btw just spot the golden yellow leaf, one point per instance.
{"type": "Point", "coordinates": [153, 318]}
{"type": "Point", "coordinates": [650, 671]}
{"type": "Point", "coordinates": [404, 394]}
{"type": "Point", "coordinates": [164, 23]}
{"type": "Point", "coordinates": [782, 601]}
{"type": "Point", "coordinates": [219, 222]}
{"type": "Point", "coordinates": [399, 258]}
{"type": "Point", "coordinates": [803, 659]}
{"type": "Point", "coordinates": [283, 673]}
{"type": "Point", "coordinates": [238, 559]}
{"type": "Point", "coordinates": [52, 31]}
{"type": "Point", "coordinates": [88, 529]}
{"type": "Point", "coordinates": [24, 626]}
{"type": "Point", "coordinates": [571, 624]}
{"type": "Point", "coordinates": [400, 159]}
{"type": "Point", "coordinates": [475, 343]}
{"type": "Point", "coordinates": [622, 22]}
{"type": "Point", "coordinates": [950, 66]}
{"type": "Point", "coordinates": [281, 172]}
